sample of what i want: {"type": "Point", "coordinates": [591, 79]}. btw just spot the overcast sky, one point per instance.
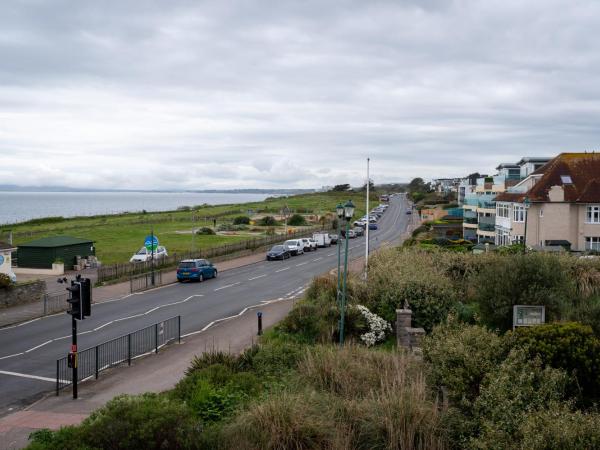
{"type": "Point", "coordinates": [251, 94]}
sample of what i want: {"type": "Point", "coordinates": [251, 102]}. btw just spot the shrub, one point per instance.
{"type": "Point", "coordinates": [296, 220]}
{"type": "Point", "coordinates": [148, 421]}
{"type": "Point", "coordinates": [532, 279]}
{"type": "Point", "coordinates": [5, 280]}
{"type": "Point", "coordinates": [518, 387]}
{"type": "Point", "coordinates": [459, 358]}
{"type": "Point", "coordinates": [206, 231]}
{"type": "Point", "coordinates": [241, 220]}
{"type": "Point", "coordinates": [572, 347]}
{"type": "Point", "coordinates": [275, 359]}
{"type": "Point", "coordinates": [268, 221]}
{"type": "Point", "coordinates": [588, 312]}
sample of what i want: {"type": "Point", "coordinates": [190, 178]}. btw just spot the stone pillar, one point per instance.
{"type": "Point", "coordinates": [403, 324]}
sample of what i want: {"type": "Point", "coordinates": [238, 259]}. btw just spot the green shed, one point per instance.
{"type": "Point", "coordinates": [41, 253]}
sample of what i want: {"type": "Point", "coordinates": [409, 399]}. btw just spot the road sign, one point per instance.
{"type": "Point", "coordinates": [1, 260]}
{"type": "Point", "coordinates": [73, 348]}
{"type": "Point", "coordinates": [527, 315]}
{"type": "Point", "coordinates": [151, 242]}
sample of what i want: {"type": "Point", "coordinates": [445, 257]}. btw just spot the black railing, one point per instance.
{"type": "Point", "coordinates": [145, 281]}
{"type": "Point", "coordinates": [93, 360]}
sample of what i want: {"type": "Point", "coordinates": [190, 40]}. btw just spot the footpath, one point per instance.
{"type": "Point", "coordinates": [153, 373]}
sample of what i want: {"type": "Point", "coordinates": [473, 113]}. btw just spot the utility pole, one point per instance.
{"type": "Point", "coordinates": [152, 258]}
{"type": "Point", "coordinates": [368, 222]}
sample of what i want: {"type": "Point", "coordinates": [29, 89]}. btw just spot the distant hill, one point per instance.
{"type": "Point", "coordinates": [14, 188]}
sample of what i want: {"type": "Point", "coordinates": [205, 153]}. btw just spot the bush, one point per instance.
{"type": "Point", "coordinates": [532, 279]}
{"type": "Point", "coordinates": [268, 221]}
{"type": "Point", "coordinates": [588, 312]}
{"type": "Point", "coordinates": [5, 280]}
{"type": "Point", "coordinates": [205, 231]}
{"type": "Point", "coordinates": [147, 421]}
{"type": "Point", "coordinates": [241, 220]}
{"type": "Point", "coordinates": [572, 347]}
{"type": "Point", "coordinates": [231, 227]}
{"type": "Point", "coordinates": [459, 358]}
{"type": "Point", "coordinates": [520, 386]}
{"type": "Point", "coordinates": [296, 220]}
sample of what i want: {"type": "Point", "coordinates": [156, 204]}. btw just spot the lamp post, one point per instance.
{"type": "Point", "coordinates": [339, 210]}
{"type": "Point", "coordinates": [527, 204]}
{"type": "Point", "coordinates": [348, 213]}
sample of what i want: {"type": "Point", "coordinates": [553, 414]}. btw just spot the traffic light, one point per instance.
{"type": "Point", "coordinates": [72, 360]}
{"type": "Point", "coordinates": [76, 310]}
{"type": "Point", "coordinates": [86, 297]}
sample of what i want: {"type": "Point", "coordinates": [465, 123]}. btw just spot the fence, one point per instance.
{"type": "Point", "coordinates": [145, 281]}
{"type": "Point", "coordinates": [55, 302]}
{"type": "Point", "coordinates": [93, 360]}
{"type": "Point", "coordinates": [116, 271]}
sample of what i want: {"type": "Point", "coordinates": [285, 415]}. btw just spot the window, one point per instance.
{"type": "Point", "coordinates": [592, 242]}
{"type": "Point", "coordinates": [502, 210]}
{"type": "Point", "coordinates": [518, 213]}
{"type": "Point", "coordinates": [566, 179]}
{"type": "Point", "coordinates": [518, 239]}
{"type": "Point", "coordinates": [593, 214]}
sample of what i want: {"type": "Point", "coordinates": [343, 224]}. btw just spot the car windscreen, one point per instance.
{"type": "Point", "coordinates": [187, 265]}
{"type": "Point", "coordinates": [290, 243]}
{"type": "Point", "coordinates": [277, 248]}
{"type": "Point", "coordinates": [142, 251]}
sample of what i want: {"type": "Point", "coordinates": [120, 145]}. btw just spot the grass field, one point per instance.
{"type": "Point", "coordinates": [118, 236]}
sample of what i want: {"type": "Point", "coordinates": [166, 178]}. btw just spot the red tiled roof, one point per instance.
{"type": "Point", "coordinates": [584, 170]}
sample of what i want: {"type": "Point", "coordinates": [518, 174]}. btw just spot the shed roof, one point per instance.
{"type": "Point", "coordinates": [582, 169]}
{"type": "Point", "coordinates": [56, 241]}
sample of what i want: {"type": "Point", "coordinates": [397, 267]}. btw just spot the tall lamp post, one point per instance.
{"type": "Point", "coordinates": [348, 213]}
{"type": "Point", "coordinates": [527, 204]}
{"type": "Point", "coordinates": [339, 210]}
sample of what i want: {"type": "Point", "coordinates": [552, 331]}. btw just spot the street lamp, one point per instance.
{"type": "Point", "coordinates": [527, 204]}
{"type": "Point", "coordinates": [339, 210]}
{"type": "Point", "coordinates": [348, 213]}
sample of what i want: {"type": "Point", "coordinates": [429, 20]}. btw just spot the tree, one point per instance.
{"type": "Point", "coordinates": [341, 188]}
{"type": "Point", "coordinates": [418, 185]}
{"type": "Point", "coordinates": [371, 186]}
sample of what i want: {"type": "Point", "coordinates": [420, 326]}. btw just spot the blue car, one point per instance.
{"type": "Point", "coordinates": [195, 269]}
{"type": "Point", "coordinates": [372, 226]}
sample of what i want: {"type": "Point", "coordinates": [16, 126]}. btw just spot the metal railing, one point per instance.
{"type": "Point", "coordinates": [93, 360]}
{"type": "Point", "coordinates": [145, 281]}
{"type": "Point", "coordinates": [55, 302]}
{"type": "Point", "coordinates": [116, 271]}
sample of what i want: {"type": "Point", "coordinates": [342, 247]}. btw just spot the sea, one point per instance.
{"type": "Point", "coordinates": [21, 206]}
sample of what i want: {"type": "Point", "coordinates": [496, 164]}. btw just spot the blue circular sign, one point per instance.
{"type": "Point", "coordinates": [1, 260]}
{"type": "Point", "coordinates": [151, 242]}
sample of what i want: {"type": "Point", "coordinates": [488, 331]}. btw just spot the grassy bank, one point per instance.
{"type": "Point", "coordinates": [118, 236]}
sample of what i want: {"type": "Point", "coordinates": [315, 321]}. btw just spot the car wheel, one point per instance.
{"type": "Point", "coordinates": [200, 278]}
{"type": "Point", "coordinates": [215, 274]}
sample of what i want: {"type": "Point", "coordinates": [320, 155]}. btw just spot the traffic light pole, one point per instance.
{"type": "Point", "coordinates": [74, 351]}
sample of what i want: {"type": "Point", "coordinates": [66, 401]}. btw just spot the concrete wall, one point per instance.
{"type": "Point", "coordinates": [22, 293]}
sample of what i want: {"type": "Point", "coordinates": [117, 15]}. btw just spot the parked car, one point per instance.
{"type": "Point", "coordinates": [144, 254]}
{"type": "Point", "coordinates": [294, 246]}
{"type": "Point", "coordinates": [360, 223]}
{"type": "Point", "coordinates": [333, 238]}
{"type": "Point", "coordinates": [278, 252]}
{"type": "Point", "coordinates": [308, 245]}
{"type": "Point", "coordinates": [314, 243]}
{"type": "Point", "coordinates": [373, 226]}
{"type": "Point", "coordinates": [323, 239]}
{"type": "Point", "coordinates": [351, 234]}
{"type": "Point", "coordinates": [408, 211]}
{"type": "Point", "coordinates": [195, 269]}
{"type": "Point", "coordinates": [359, 231]}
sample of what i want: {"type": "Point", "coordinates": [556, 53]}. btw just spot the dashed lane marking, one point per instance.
{"type": "Point", "coordinates": [256, 278]}
{"type": "Point", "coordinates": [227, 286]}
{"type": "Point", "coordinates": [281, 270]}
{"type": "Point", "coordinates": [317, 259]}
{"type": "Point", "coordinates": [301, 264]}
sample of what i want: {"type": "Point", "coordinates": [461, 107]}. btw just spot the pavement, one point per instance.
{"type": "Point", "coordinates": [153, 373]}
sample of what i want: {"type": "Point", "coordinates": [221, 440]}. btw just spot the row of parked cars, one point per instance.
{"type": "Point", "coordinates": [294, 247]}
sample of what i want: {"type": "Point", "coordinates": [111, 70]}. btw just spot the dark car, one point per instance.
{"type": "Point", "coordinates": [195, 269]}
{"type": "Point", "coordinates": [408, 211]}
{"type": "Point", "coordinates": [373, 226]}
{"type": "Point", "coordinates": [278, 252]}
{"type": "Point", "coordinates": [334, 238]}
{"type": "Point", "coordinates": [359, 231]}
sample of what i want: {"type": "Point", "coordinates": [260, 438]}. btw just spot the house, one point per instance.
{"type": "Point", "coordinates": [479, 218]}
{"type": "Point", "coordinates": [41, 253]}
{"type": "Point", "coordinates": [5, 260]}
{"type": "Point", "coordinates": [558, 204]}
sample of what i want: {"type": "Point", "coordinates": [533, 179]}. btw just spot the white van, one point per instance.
{"type": "Point", "coordinates": [323, 239]}
{"type": "Point", "coordinates": [295, 246]}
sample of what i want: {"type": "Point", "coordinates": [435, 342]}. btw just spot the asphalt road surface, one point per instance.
{"type": "Point", "coordinates": [28, 352]}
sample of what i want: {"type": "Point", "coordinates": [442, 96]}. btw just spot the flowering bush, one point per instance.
{"type": "Point", "coordinates": [377, 327]}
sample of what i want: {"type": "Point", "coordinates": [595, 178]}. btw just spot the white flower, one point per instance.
{"type": "Point", "coordinates": [377, 327]}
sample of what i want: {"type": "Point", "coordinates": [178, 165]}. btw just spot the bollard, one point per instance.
{"type": "Point", "coordinates": [259, 316]}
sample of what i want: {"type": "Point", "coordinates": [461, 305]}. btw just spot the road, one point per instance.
{"type": "Point", "coordinates": [28, 353]}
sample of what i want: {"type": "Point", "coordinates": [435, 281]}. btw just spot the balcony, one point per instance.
{"type": "Point", "coordinates": [470, 220]}
{"type": "Point", "coordinates": [470, 214]}
{"type": "Point", "coordinates": [486, 227]}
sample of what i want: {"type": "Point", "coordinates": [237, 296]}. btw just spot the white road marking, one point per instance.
{"type": "Point", "coordinates": [317, 259]}
{"type": "Point", "coordinates": [227, 286]}
{"type": "Point", "coordinates": [38, 346]}
{"type": "Point", "coordinates": [33, 377]}
{"type": "Point", "coordinates": [330, 254]}
{"type": "Point", "coordinates": [301, 264]}
{"type": "Point", "coordinates": [281, 270]}
{"type": "Point", "coordinates": [256, 278]}
{"type": "Point", "coordinates": [10, 356]}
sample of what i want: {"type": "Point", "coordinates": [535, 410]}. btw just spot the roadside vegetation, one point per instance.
{"type": "Point", "coordinates": [118, 236]}
{"type": "Point", "coordinates": [475, 384]}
